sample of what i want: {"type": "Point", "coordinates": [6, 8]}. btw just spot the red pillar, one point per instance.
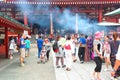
{"type": "Point", "coordinates": [31, 28]}
{"type": "Point", "coordinates": [6, 42]}
{"type": "Point", "coordinates": [19, 38]}
{"type": "Point", "coordinates": [100, 15]}
{"type": "Point", "coordinates": [25, 19]}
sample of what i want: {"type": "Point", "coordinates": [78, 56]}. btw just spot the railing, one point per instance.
{"type": "Point", "coordinates": [76, 0]}
{"type": "Point", "coordinates": [62, 2]}
{"type": "Point", "coordinates": [12, 20]}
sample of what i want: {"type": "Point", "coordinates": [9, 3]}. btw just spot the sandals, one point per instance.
{"type": "Point", "coordinates": [68, 69]}
{"type": "Point", "coordinates": [75, 60]}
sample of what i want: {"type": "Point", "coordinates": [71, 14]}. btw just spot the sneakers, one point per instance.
{"type": "Point", "coordinates": [22, 64]}
{"type": "Point", "coordinates": [82, 62]}
{"type": "Point", "coordinates": [39, 62]}
{"type": "Point", "coordinates": [68, 69]}
{"type": "Point", "coordinates": [111, 78]}
{"type": "Point", "coordinates": [58, 66]}
{"type": "Point", "coordinates": [63, 66]}
{"type": "Point", "coordinates": [93, 79]}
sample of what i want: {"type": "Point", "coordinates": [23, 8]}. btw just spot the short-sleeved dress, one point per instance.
{"type": "Point", "coordinates": [60, 53]}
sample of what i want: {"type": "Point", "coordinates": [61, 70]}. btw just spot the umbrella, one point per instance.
{"type": "Point", "coordinates": [115, 12]}
{"type": "Point", "coordinates": [108, 24]}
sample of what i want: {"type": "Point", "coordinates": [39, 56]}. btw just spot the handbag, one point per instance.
{"type": "Point", "coordinates": [92, 56]}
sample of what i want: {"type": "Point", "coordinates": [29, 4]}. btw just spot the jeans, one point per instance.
{"type": "Point", "coordinates": [81, 53]}
{"type": "Point", "coordinates": [39, 52]}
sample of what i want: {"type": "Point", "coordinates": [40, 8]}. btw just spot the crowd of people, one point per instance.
{"type": "Point", "coordinates": [22, 45]}
{"type": "Point", "coordinates": [98, 47]}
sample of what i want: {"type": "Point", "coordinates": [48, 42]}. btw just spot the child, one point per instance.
{"type": "Point", "coordinates": [43, 58]}
{"type": "Point", "coordinates": [107, 52]}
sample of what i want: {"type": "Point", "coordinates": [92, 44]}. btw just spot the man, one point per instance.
{"type": "Point", "coordinates": [39, 45]}
{"type": "Point", "coordinates": [22, 49]}
{"type": "Point", "coordinates": [82, 45]}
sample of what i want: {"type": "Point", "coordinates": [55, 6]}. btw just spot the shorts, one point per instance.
{"type": "Point", "coordinates": [106, 55]}
{"type": "Point", "coordinates": [22, 52]}
{"type": "Point", "coordinates": [27, 50]}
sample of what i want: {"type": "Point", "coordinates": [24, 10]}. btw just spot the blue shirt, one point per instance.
{"type": "Point", "coordinates": [22, 45]}
{"type": "Point", "coordinates": [39, 42]}
{"type": "Point", "coordinates": [82, 40]}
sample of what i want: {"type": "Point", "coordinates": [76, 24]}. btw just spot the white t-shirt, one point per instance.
{"type": "Point", "coordinates": [12, 44]}
{"type": "Point", "coordinates": [69, 42]}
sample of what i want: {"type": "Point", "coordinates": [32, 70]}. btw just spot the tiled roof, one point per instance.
{"type": "Point", "coordinates": [64, 2]}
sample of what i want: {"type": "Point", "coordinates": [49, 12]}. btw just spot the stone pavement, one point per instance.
{"type": "Point", "coordinates": [11, 70]}
{"type": "Point", "coordinates": [31, 71]}
{"type": "Point", "coordinates": [80, 71]}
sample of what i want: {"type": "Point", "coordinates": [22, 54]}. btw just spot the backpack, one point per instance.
{"type": "Point", "coordinates": [55, 47]}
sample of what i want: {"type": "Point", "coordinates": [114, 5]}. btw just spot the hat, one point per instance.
{"type": "Point", "coordinates": [98, 35]}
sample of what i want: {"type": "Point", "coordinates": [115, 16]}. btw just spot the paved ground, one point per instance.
{"type": "Point", "coordinates": [31, 71]}
{"type": "Point", "coordinates": [11, 70]}
{"type": "Point", "coordinates": [80, 72]}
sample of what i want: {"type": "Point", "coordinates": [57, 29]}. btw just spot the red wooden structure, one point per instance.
{"type": "Point", "coordinates": [9, 26]}
{"type": "Point", "coordinates": [93, 9]}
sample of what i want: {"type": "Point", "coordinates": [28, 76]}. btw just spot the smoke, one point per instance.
{"type": "Point", "coordinates": [61, 20]}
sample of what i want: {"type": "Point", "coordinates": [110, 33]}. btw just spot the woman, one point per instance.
{"type": "Point", "coordinates": [87, 49]}
{"type": "Point", "coordinates": [47, 47]}
{"type": "Point", "coordinates": [90, 47]}
{"type": "Point", "coordinates": [11, 47]}
{"type": "Point", "coordinates": [59, 53]}
{"type": "Point", "coordinates": [74, 46]}
{"type": "Point", "coordinates": [69, 50]}
{"type": "Point", "coordinates": [117, 63]}
{"type": "Point", "coordinates": [97, 48]}
{"type": "Point", "coordinates": [107, 51]}
{"type": "Point", "coordinates": [114, 48]}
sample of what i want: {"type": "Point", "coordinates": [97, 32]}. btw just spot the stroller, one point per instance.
{"type": "Point", "coordinates": [43, 57]}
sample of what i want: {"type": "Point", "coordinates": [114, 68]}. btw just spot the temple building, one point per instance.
{"type": "Point", "coordinates": [48, 16]}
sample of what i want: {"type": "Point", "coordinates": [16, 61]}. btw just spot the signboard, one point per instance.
{"type": "Point", "coordinates": [26, 32]}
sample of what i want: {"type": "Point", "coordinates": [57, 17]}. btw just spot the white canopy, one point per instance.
{"type": "Point", "coordinates": [108, 24]}
{"type": "Point", "coordinates": [115, 12]}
